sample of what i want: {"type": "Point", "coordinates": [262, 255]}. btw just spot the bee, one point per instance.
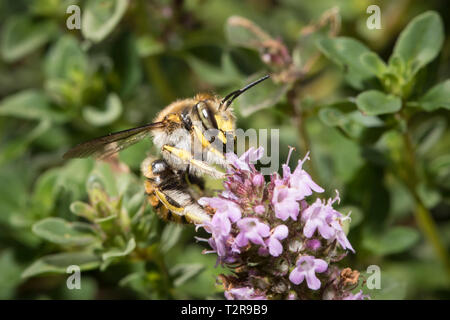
{"type": "Point", "coordinates": [206, 121]}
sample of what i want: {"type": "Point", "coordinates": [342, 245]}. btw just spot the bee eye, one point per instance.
{"type": "Point", "coordinates": [205, 115]}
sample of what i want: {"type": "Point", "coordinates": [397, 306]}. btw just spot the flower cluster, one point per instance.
{"type": "Point", "coordinates": [278, 245]}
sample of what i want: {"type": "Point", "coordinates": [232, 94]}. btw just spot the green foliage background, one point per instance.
{"type": "Point", "coordinates": [377, 132]}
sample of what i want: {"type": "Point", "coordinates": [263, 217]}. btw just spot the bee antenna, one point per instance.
{"type": "Point", "coordinates": [229, 98]}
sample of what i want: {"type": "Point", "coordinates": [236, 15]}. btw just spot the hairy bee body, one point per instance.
{"type": "Point", "coordinates": [189, 119]}
{"type": "Point", "coordinates": [169, 194]}
{"type": "Point", "coordinates": [183, 130]}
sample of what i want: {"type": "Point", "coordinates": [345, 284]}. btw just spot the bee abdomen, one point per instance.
{"type": "Point", "coordinates": [160, 208]}
{"type": "Point", "coordinates": [167, 215]}
{"type": "Point", "coordinates": [167, 193]}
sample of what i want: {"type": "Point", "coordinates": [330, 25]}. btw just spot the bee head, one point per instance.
{"type": "Point", "coordinates": [209, 111]}
{"type": "Point", "coordinates": [216, 113]}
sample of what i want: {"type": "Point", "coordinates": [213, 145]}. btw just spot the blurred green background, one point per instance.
{"type": "Point", "coordinates": [59, 87]}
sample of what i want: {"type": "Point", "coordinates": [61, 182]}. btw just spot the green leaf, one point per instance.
{"type": "Point", "coordinates": [22, 36]}
{"type": "Point", "coordinates": [229, 67]}
{"type": "Point", "coordinates": [101, 17]}
{"type": "Point", "coordinates": [373, 62]}
{"type": "Point", "coordinates": [9, 275]}
{"type": "Point", "coordinates": [332, 117]}
{"type": "Point", "coordinates": [428, 133]}
{"type": "Point", "coordinates": [82, 209]}
{"type": "Point", "coordinates": [44, 194]}
{"type": "Point", "coordinates": [65, 58]}
{"type": "Point", "coordinates": [127, 64]}
{"type": "Point", "coordinates": [116, 252]}
{"type": "Point", "coordinates": [70, 178]}
{"type": "Point", "coordinates": [429, 194]}
{"type": "Point", "coordinates": [13, 191]}
{"type": "Point", "coordinates": [346, 53]}
{"type": "Point", "coordinates": [185, 272]}
{"type": "Point", "coordinates": [17, 147]}
{"type": "Point", "coordinates": [103, 178]}
{"type": "Point", "coordinates": [58, 263]}
{"type": "Point", "coordinates": [421, 40]}
{"type": "Point", "coordinates": [264, 95]}
{"type": "Point", "coordinates": [61, 232]}
{"type": "Point", "coordinates": [111, 113]}
{"type": "Point", "coordinates": [215, 75]}
{"type": "Point", "coordinates": [353, 124]}
{"type": "Point", "coordinates": [373, 102]}
{"type": "Point", "coordinates": [204, 282]}
{"type": "Point", "coordinates": [437, 97]}
{"type": "Point", "coordinates": [30, 104]}
{"type": "Point", "coordinates": [440, 167]}
{"type": "Point", "coordinates": [394, 240]}
{"type": "Point", "coordinates": [336, 114]}
{"type": "Point", "coordinates": [170, 236]}
{"type": "Point", "coordinates": [139, 282]}
{"type": "Point", "coordinates": [148, 46]}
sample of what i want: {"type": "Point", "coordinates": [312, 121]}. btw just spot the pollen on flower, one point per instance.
{"type": "Point", "coordinates": [349, 276]}
{"type": "Point", "coordinates": [279, 243]}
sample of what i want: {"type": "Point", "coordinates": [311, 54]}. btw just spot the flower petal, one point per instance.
{"type": "Point", "coordinates": [296, 276]}
{"type": "Point", "coordinates": [241, 240]}
{"type": "Point", "coordinates": [320, 265]}
{"type": "Point", "coordinates": [309, 228]}
{"type": "Point", "coordinates": [312, 281]}
{"type": "Point", "coordinates": [280, 232]}
{"type": "Point", "coordinates": [275, 247]}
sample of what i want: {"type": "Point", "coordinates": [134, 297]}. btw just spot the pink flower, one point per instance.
{"type": "Point", "coordinates": [302, 181]}
{"type": "Point", "coordinates": [220, 228]}
{"type": "Point", "coordinates": [357, 296]}
{"type": "Point", "coordinates": [339, 235]}
{"type": "Point", "coordinates": [243, 162]}
{"type": "Point", "coordinates": [285, 203]}
{"type": "Point", "coordinates": [258, 180]}
{"type": "Point", "coordinates": [313, 244]}
{"type": "Point", "coordinates": [260, 209]}
{"type": "Point", "coordinates": [317, 217]}
{"type": "Point", "coordinates": [307, 267]}
{"type": "Point", "coordinates": [227, 207]}
{"type": "Point", "coordinates": [244, 293]}
{"type": "Point", "coordinates": [273, 242]}
{"type": "Point", "coordinates": [251, 230]}
{"type": "Point", "coordinates": [267, 259]}
{"type": "Point", "coordinates": [327, 221]}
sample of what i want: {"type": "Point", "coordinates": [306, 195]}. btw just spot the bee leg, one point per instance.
{"type": "Point", "coordinates": [200, 165]}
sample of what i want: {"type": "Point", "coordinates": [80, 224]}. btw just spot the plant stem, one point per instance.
{"type": "Point", "coordinates": [158, 78]}
{"type": "Point", "coordinates": [428, 226]}
{"type": "Point", "coordinates": [422, 215]}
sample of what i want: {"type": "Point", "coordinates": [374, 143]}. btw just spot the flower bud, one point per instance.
{"type": "Point", "coordinates": [313, 244]}
{"type": "Point", "coordinates": [258, 180]}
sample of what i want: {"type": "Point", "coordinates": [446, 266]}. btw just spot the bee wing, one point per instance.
{"type": "Point", "coordinates": [106, 146]}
